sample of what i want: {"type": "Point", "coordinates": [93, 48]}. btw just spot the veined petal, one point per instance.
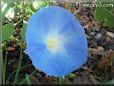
{"type": "Point", "coordinates": [51, 17]}
{"type": "Point", "coordinates": [35, 32]}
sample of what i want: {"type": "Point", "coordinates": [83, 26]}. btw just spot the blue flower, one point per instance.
{"type": "Point", "coordinates": [56, 42]}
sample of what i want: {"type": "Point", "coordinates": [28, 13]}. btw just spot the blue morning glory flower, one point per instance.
{"type": "Point", "coordinates": [56, 42]}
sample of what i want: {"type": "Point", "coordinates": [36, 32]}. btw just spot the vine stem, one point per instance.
{"type": "Point", "coordinates": [19, 66]}
{"type": "Point", "coordinates": [60, 80]}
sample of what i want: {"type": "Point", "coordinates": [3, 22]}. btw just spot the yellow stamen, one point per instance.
{"type": "Point", "coordinates": [52, 43]}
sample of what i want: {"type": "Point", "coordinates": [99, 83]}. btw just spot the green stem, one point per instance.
{"type": "Point", "coordinates": [4, 69]}
{"type": "Point", "coordinates": [28, 77]}
{"type": "Point", "coordinates": [15, 71]}
{"type": "Point", "coordinates": [18, 69]}
{"type": "Point", "coordinates": [60, 81]}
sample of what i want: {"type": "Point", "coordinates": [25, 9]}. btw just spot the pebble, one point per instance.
{"type": "Point", "coordinates": [96, 28]}
{"type": "Point", "coordinates": [108, 38]}
{"type": "Point", "coordinates": [100, 48]}
{"type": "Point", "coordinates": [110, 34]}
{"type": "Point", "coordinates": [98, 51]}
{"type": "Point", "coordinates": [98, 36]}
{"type": "Point", "coordinates": [92, 33]}
{"type": "Point", "coordinates": [86, 26]}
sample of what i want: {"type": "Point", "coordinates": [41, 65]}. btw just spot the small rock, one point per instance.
{"type": "Point", "coordinates": [108, 39]}
{"type": "Point", "coordinates": [92, 33]}
{"type": "Point", "coordinates": [96, 28]}
{"type": "Point", "coordinates": [100, 48]}
{"type": "Point", "coordinates": [110, 34]}
{"type": "Point", "coordinates": [86, 26]}
{"type": "Point", "coordinates": [98, 36]}
{"type": "Point", "coordinates": [98, 51]}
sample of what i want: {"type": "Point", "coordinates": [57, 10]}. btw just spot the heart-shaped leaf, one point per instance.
{"type": "Point", "coordinates": [7, 31]}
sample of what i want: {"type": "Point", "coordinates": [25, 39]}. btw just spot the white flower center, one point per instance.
{"type": "Point", "coordinates": [54, 43]}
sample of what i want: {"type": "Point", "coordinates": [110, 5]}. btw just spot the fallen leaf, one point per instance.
{"type": "Point", "coordinates": [107, 60]}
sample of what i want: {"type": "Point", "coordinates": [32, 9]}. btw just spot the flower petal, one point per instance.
{"type": "Point", "coordinates": [59, 28]}
{"type": "Point", "coordinates": [51, 17]}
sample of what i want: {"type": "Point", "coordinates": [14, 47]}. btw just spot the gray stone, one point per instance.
{"type": "Point", "coordinates": [96, 28]}
{"type": "Point", "coordinates": [92, 33]}
{"type": "Point", "coordinates": [98, 36]}
{"type": "Point", "coordinates": [110, 34]}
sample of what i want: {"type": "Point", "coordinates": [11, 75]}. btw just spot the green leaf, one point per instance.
{"type": "Point", "coordinates": [71, 75]}
{"type": "Point", "coordinates": [105, 15]}
{"type": "Point", "coordinates": [6, 6]}
{"type": "Point", "coordinates": [4, 10]}
{"type": "Point", "coordinates": [24, 29]}
{"type": "Point", "coordinates": [7, 31]}
{"type": "Point", "coordinates": [39, 3]}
